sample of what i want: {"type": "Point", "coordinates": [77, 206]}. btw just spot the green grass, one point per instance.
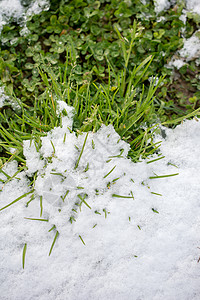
{"type": "Point", "coordinates": [94, 105]}
{"type": "Point", "coordinates": [128, 109]}
{"type": "Point", "coordinates": [96, 56]}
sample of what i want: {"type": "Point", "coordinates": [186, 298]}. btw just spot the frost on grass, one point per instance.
{"type": "Point", "coordinates": [121, 235]}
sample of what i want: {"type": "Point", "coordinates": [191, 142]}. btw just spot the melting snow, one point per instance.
{"type": "Point", "coordinates": [190, 51]}
{"type": "Point", "coordinates": [191, 48]}
{"type": "Point", "coordinates": [3, 97]}
{"type": "Point", "coordinates": [191, 5]}
{"type": "Point", "coordinates": [13, 9]}
{"type": "Point", "coordinates": [144, 246]}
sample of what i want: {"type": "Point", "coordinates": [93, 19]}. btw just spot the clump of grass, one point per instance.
{"type": "Point", "coordinates": [121, 99]}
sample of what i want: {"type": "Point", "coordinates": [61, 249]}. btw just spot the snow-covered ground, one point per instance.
{"type": "Point", "coordinates": [136, 236]}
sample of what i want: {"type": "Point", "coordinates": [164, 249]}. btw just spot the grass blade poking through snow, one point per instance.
{"type": "Point", "coordinates": [35, 219]}
{"type": "Point", "coordinates": [83, 200]}
{"type": "Point", "coordinates": [81, 239]}
{"type": "Point", "coordinates": [55, 238]}
{"type": "Point", "coordinates": [156, 159]}
{"type": "Point", "coordinates": [163, 176]}
{"type": "Point", "coordinates": [41, 206]}
{"type": "Point", "coordinates": [23, 255]}
{"type": "Point", "coordinates": [121, 196]}
{"type": "Point", "coordinates": [76, 166]}
{"type": "Point", "coordinates": [63, 197]}
{"type": "Point", "coordinates": [16, 200]}
{"type": "Point", "coordinates": [110, 172]}
{"type": "Point", "coordinates": [156, 194]}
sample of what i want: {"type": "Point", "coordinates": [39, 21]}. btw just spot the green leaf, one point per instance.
{"type": "Point", "coordinates": [95, 29]}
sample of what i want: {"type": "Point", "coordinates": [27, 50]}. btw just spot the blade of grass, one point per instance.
{"type": "Point", "coordinates": [110, 172]}
{"type": "Point", "coordinates": [63, 197]}
{"type": "Point", "coordinates": [156, 194]}
{"type": "Point", "coordinates": [192, 114]}
{"type": "Point", "coordinates": [156, 159]}
{"type": "Point", "coordinates": [35, 219]}
{"type": "Point", "coordinates": [23, 255]}
{"type": "Point", "coordinates": [77, 163]}
{"type": "Point", "coordinates": [121, 196]}
{"type": "Point", "coordinates": [81, 240]}
{"type": "Point", "coordinates": [41, 206]}
{"type": "Point", "coordinates": [54, 240]}
{"type": "Point", "coordinates": [16, 200]}
{"type": "Point", "coordinates": [163, 176]}
{"type": "Point", "coordinates": [83, 200]}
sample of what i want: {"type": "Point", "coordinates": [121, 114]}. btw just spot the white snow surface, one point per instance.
{"type": "Point", "coordinates": [191, 5]}
{"type": "Point", "coordinates": [191, 48]}
{"type": "Point", "coordinates": [6, 100]}
{"type": "Point", "coordinates": [161, 5]}
{"type": "Point", "coordinates": [3, 97]}
{"type": "Point", "coordinates": [177, 63]}
{"type": "Point", "coordinates": [190, 51]}
{"type": "Point", "coordinates": [14, 9]}
{"type": "Point", "coordinates": [130, 251]}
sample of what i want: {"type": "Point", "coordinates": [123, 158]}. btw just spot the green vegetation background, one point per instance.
{"type": "Point", "coordinates": [97, 56]}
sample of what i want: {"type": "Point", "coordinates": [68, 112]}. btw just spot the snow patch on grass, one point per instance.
{"type": "Point", "coordinates": [193, 5]}
{"type": "Point", "coordinates": [13, 9]}
{"type": "Point", "coordinates": [3, 97]}
{"type": "Point", "coordinates": [122, 235]}
{"type": "Point", "coordinates": [161, 5]}
{"type": "Point", "coordinates": [191, 48]}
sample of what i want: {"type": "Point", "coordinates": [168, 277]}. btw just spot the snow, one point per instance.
{"type": "Point", "coordinates": [13, 9]}
{"type": "Point", "coordinates": [3, 97]}
{"type": "Point", "coordinates": [141, 247]}
{"type": "Point", "coordinates": [190, 51]}
{"type": "Point", "coordinates": [6, 100]}
{"type": "Point", "coordinates": [191, 5]}
{"type": "Point", "coordinates": [191, 48]}
{"type": "Point", "coordinates": [161, 5]}
{"type": "Point", "coordinates": [177, 63]}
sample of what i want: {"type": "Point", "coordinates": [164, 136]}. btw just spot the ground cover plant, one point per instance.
{"type": "Point", "coordinates": [101, 46]}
